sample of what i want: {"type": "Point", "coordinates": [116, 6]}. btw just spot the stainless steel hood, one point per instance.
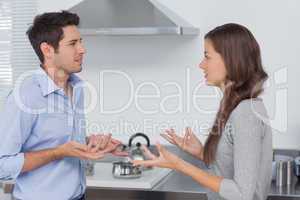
{"type": "Point", "coordinates": [129, 17]}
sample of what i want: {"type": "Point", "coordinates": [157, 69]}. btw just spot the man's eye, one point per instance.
{"type": "Point", "coordinates": [73, 44]}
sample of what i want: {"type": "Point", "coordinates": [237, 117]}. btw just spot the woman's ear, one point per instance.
{"type": "Point", "coordinates": [47, 50]}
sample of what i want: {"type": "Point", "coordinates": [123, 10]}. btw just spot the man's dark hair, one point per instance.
{"type": "Point", "coordinates": [47, 28]}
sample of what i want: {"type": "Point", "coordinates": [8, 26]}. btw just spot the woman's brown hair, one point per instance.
{"type": "Point", "coordinates": [244, 80]}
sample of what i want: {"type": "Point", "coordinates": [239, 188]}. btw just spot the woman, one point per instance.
{"type": "Point", "coordinates": [238, 150]}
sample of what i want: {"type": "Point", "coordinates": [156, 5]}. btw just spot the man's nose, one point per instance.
{"type": "Point", "coordinates": [82, 49]}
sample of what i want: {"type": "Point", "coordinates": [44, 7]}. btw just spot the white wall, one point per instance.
{"type": "Point", "coordinates": [165, 59]}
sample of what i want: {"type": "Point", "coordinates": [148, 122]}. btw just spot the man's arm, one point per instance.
{"type": "Point", "coordinates": [15, 128]}
{"type": "Point", "coordinates": [34, 160]}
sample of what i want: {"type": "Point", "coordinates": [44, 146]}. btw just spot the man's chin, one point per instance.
{"type": "Point", "coordinates": [77, 70]}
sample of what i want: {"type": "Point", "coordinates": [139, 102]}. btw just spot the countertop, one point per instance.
{"type": "Point", "coordinates": [178, 186]}
{"type": "Point", "coordinates": [104, 178]}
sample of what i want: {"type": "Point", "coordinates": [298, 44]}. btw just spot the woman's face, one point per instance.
{"type": "Point", "coordinates": [213, 66]}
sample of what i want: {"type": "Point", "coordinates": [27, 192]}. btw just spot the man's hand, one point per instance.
{"type": "Point", "coordinates": [99, 142]}
{"type": "Point", "coordinates": [118, 151]}
{"type": "Point", "coordinates": [96, 149]}
{"type": "Point", "coordinates": [75, 149]}
{"type": "Point", "coordinates": [106, 144]}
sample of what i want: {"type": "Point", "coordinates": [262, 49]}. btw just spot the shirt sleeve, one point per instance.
{"type": "Point", "coordinates": [247, 134]}
{"type": "Point", "coordinates": [15, 127]}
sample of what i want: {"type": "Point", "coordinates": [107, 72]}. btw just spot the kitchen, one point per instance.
{"type": "Point", "coordinates": [141, 72]}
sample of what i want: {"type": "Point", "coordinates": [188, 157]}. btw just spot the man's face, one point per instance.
{"type": "Point", "coordinates": [69, 55]}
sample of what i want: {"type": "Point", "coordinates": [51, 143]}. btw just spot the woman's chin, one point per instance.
{"type": "Point", "coordinates": [209, 83]}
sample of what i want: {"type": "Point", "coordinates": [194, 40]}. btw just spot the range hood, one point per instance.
{"type": "Point", "coordinates": [129, 17]}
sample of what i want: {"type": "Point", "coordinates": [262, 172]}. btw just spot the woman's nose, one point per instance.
{"type": "Point", "coordinates": [201, 65]}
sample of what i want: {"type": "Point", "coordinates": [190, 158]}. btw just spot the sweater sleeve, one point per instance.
{"type": "Point", "coordinates": [247, 137]}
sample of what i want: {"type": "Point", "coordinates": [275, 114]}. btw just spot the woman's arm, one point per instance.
{"type": "Point", "coordinates": [209, 181]}
{"type": "Point", "coordinates": [167, 159]}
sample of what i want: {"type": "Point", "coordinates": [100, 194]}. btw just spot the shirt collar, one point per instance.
{"type": "Point", "coordinates": [48, 86]}
{"type": "Point", "coordinates": [74, 80]}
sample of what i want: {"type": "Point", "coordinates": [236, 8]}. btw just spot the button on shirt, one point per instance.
{"type": "Point", "coordinates": [38, 115]}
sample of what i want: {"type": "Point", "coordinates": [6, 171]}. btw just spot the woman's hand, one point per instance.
{"type": "Point", "coordinates": [165, 159]}
{"type": "Point", "coordinates": [188, 143]}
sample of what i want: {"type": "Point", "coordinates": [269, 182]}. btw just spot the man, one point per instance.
{"type": "Point", "coordinates": [42, 126]}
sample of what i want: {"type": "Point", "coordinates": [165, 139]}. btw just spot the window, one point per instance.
{"type": "Point", "coordinates": [5, 48]}
{"type": "Point", "coordinates": [16, 54]}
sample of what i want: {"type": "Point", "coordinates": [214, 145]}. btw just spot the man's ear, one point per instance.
{"type": "Point", "coordinates": [47, 50]}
